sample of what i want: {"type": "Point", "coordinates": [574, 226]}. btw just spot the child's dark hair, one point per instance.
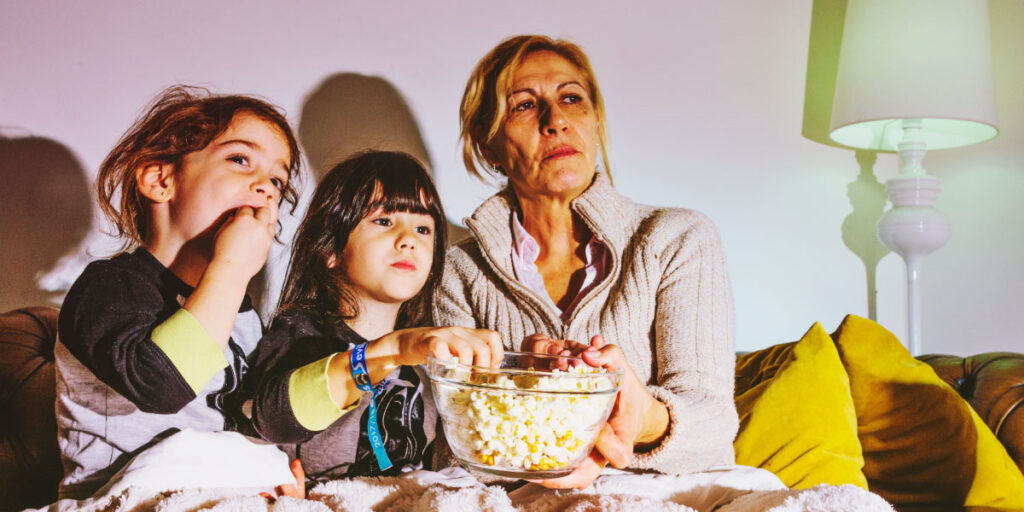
{"type": "Point", "coordinates": [353, 189]}
{"type": "Point", "coordinates": [181, 120]}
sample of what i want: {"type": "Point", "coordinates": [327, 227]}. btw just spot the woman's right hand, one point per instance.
{"type": "Point", "coordinates": [479, 347]}
{"type": "Point", "coordinates": [543, 344]}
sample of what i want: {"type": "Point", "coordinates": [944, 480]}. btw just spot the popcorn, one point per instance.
{"type": "Point", "coordinates": [527, 431]}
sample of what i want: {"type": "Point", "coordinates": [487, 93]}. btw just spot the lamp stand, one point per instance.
{"type": "Point", "coordinates": [913, 228]}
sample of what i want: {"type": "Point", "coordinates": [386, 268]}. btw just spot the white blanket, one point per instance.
{"type": "Point", "coordinates": [226, 472]}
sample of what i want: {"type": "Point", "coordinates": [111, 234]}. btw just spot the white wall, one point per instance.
{"type": "Point", "coordinates": [705, 104]}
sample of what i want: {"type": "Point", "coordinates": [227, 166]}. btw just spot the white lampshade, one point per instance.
{"type": "Point", "coordinates": [914, 59]}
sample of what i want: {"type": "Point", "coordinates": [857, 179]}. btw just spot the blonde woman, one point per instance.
{"type": "Point", "coordinates": [559, 261]}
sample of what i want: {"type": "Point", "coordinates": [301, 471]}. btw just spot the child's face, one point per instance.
{"type": "Point", "coordinates": [388, 256]}
{"type": "Point", "coordinates": [247, 165]}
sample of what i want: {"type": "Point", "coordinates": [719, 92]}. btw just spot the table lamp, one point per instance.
{"type": "Point", "coordinates": [914, 75]}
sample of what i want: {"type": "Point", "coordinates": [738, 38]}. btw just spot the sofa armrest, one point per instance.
{"type": "Point", "coordinates": [993, 383]}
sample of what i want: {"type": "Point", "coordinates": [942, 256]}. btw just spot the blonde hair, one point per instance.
{"type": "Point", "coordinates": [484, 102]}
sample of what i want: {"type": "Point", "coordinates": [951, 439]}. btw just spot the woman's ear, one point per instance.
{"type": "Point", "coordinates": [485, 150]}
{"type": "Point", "coordinates": [155, 182]}
{"type": "Point", "coordinates": [332, 261]}
{"type": "Point", "coordinates": [492, 159]}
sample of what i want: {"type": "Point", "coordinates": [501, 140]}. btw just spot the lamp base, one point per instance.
{"type": "Point", "coordinates": [913, 228]}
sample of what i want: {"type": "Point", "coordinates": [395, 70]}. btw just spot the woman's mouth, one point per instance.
{"type": "Point", "coordinates": [560, 152]}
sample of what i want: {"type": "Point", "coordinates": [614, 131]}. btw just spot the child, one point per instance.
{"type": "Point", "coordinates": [155, 340]}
{"type": "Point", "coordinates": [365, 261]}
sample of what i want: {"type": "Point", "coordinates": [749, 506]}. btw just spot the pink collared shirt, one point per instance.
{"type": "Point", "coordinates": [525, 251]}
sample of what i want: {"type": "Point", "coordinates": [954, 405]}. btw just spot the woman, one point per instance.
{"type": "Point", "coordinates": [560, 254]}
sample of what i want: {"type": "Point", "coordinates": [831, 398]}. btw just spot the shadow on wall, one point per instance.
{"type": "Point", "coordinates": [348, 113]}
{"type": "Point", "coordinates": [45, 213]}
{"type": "Point", "coordinates": [867, 195]}
{"type": "Point", "coordinates": [860, 233]}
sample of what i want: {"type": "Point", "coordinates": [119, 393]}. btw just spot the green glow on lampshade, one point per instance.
{"type": "Point", "coordinates": [885, 134]}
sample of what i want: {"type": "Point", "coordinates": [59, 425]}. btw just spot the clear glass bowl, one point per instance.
{"type": "Point", "coordinates": [536, 416]}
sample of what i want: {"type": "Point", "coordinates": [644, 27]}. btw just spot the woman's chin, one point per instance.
{"type": "Point", "coordinates": [571, 182]}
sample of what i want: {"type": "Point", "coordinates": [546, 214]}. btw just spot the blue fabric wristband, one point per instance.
{"type": "Point", "coordinates": [362, 379]}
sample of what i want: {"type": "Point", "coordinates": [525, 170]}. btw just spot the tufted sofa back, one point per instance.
{"type": "Point", "coordinates": [30, 467]}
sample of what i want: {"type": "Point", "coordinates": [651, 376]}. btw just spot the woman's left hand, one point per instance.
{"type": "Point", "coordinates": [636, 419]}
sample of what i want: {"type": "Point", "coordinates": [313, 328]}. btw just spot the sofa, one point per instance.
{"type": "Point", "coordinates": [992, 383]}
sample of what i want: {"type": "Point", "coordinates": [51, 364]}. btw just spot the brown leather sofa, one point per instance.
{"type": "Point", "coordinates": [29, 459]}
{"type": "Point", "coordinates": [992, 383]}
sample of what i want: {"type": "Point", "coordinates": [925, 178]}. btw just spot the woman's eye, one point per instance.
{"type": "Point", "coordinates": [424, 230]}
{"type": "Point", "coordinates": [523, 106]}
{"type": "Point", "coordinates": [382, 221]}
{"type": "Point", "coordinates": [239, 159]}
{"type": "Point", "coordinates": [572, 98]}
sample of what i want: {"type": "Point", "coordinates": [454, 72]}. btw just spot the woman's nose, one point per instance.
{"type": "Point", "coordinates": [552, 119]}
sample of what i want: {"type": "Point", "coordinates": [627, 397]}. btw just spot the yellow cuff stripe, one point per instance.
{"type": "Point", "coordinates": [190, 348]}
{"type": "Point", "coordinates": [310, 395]}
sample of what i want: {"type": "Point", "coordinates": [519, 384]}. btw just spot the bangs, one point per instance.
{"type": "Point", "coordinates": [406, 194]}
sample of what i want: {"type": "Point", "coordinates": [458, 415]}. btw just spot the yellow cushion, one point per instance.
{"type": "Point", "coordinates": [796, 415]}
{"type": "Point", "coordinates": [922, 443]}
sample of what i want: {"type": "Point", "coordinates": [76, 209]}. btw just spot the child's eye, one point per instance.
{"type": "Point", "coordinates": [382, 221]}
{"type": "Point", "coordinates": [424, 230]}
{"type": "Point", "coordinates": [239, 159]}
{"type": "Point", "coordinates": [279, 183]}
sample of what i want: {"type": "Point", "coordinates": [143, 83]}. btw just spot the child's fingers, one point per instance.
{"type": "Point", "coordinates": [496, 346]}
{"type": "Point", "coordinates": [300, 477]}
{"type": "Point", "coordinates": [267, 214]}
{"type": "Point", "coordinates": [481, 354]}
{"type": "Point", "coordinates": [438, 348]}
{"type": "Point", "coordinates": [462, 349]}
{"type": "Point", "coordinates": [243, 211]}
{"type": "Point", "coordinates": [273, 210]}
{"type": "Point", "coordinates": [296, 490]}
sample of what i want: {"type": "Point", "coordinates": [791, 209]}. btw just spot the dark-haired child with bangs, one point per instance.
{"type": "Point", "coordinates": [365, 262]}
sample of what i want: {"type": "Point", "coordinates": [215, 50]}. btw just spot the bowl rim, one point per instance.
{"type": "Point", "coordinates": [616, 374]}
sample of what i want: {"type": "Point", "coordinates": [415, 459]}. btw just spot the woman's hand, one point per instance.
{"type": "Point", "coordinates": [479, 347]}
{"type": "Point", "coordinates": [581, 477]}
{"type": "Point", "coordinates": [543, 344]}
{"type": "Point", "coordinates": [637, 418]}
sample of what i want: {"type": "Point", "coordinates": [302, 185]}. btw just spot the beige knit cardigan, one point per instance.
{"type": "Point", "coordinates": [666, 302]}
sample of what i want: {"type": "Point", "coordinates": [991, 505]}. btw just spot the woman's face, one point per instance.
{"type": "Point", "coordinates": [547, 143]}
